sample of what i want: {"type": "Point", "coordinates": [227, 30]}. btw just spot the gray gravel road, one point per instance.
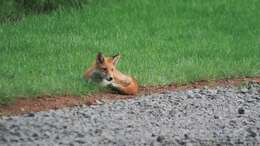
{"type": "Point", "coordinates": [221, 116]}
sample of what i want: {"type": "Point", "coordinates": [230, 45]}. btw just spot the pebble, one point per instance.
{"type": "Point", "coordinates": [160, 138]}
{"type": "Point", "coordinates": [241, 110]}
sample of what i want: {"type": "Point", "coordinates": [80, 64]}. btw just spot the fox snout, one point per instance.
{"type": "Point", "coordinates": [98, 76]}
{"type": "Point", "coordinates": [105, 76]}
{"type": "Point", "coordinates": [109, 79]}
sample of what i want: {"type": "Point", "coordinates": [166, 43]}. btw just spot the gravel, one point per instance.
{"type": "Point", "coordinates": [221, 116]}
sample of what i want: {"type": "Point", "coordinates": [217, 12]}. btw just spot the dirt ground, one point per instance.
{"type": "Point", "coordinates": [43, 103]}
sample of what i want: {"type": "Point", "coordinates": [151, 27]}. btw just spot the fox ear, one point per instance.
{"type": "Point", "coordinates": [116, 58]}
{"type": "Point", "coordinates": [100, 58]}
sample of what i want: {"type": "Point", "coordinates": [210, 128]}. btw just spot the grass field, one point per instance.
{"type": "Point", "coordinates": [161, 42]}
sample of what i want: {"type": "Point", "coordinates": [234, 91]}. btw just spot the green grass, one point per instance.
{"type": "Point", "coordinates": [161, 41]}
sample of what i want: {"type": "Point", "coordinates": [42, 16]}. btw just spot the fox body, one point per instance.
{"type": "Point", "coordinates": [104, 72]}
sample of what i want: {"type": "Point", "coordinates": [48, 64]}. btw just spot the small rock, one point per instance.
{"type": "Point", "coordinates": [80, 141]}
{"type": "Point", "coordinates": [250, 100]}
{"type": "Point", "coordinates": [80, 135]}
{"type": "Point", "coordinates": [251, 132]}
{"type": "Point", "coordinates": [98, 131]}
{"type": "Point", "coordinates": [186, 136]}
{"type": "Point", "coordinates": [160, 138]}
{"type": "Point", "coordinates": [83, 106]}
{"type": "Point", "coordinates": [3, 127]}
{"type": "Point", "coordinates": [189, 144]}
{"type": "Point", "coordinates": [16, 134]}
{"type": "Point", "coordinates": [239, 142]}
{"type": "Point", "coordinates": [196, 90]}
{"type": "Point", "coordinates": [256, 97]}
{"type": "Point", "coordinates": [172, 112]}
{"type": "Point", "coordinates": [241, 110]}
{"type": "Point", "coordinates": [57, 137]}
{"type": "Point", "coordinates": [244, 90]}
{"type": "Point", "coordinates": [21, 139]}
{"type": "Point", "coordinates": [216, 117]}
{"type": "Point", "coordinates": [212, 97]}
{"type": "Point", "coordinates": [228, 138]}
{"type": "Point", "coordinates": [45, 115]}
{"type": "Point", "coordinates": [30, 114]}
{"type": "Point", "coordinates": [205, 87]}
{"type": "Point", "coordinates": [130, 126]}
{"type": "Point", "coordinates": [34, 135]}
{"type": "Point", "coordinates": [85, 115]}
{"type": "Point", "coordinates": [100, 102]}
{"type": "Point", "coordinates": [14, 140]}
{"type": "Point", "coordinates": [3, 139]}
{"type": "Point", "coordinates": [197, 96]}
{"type": "Point", "coordinates": [232, 123]}
{"type": "Point", "coordinates": [165, 92]}
{"type": "Point", "coordinates": [180, 142]}
{"type": "Point", "coordinates": [190, 94]}
{"type": "Point", "coordinates": [47, 134]}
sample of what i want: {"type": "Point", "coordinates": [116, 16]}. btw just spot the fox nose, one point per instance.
{"type": "Point", "coordinates": [109, 78]}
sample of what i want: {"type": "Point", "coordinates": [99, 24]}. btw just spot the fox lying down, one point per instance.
{"type": "Point", "coordinates": [104, 72]}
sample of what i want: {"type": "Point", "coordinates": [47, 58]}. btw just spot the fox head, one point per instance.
{"type": "Point", "coordinates": [104, 69]}
{"type": "Point", "coordinates": [107, 65]}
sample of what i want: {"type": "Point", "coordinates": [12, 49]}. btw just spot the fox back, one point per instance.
{"type": "Point", "coordinates": [104, 72]}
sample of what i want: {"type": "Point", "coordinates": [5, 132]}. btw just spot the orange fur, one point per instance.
{"type": "Point", "coordinates": [105, 69]}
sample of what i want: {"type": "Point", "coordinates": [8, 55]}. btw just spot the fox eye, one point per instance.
{"type": "Point", "coordinates": [104, 69]}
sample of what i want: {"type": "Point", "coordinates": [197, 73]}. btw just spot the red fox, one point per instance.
{"type": "Point", "coordinates": [104, 72]}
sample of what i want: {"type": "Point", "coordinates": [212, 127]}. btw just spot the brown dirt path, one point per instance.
{"type": "Point", "coordinates": [22, 106]}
